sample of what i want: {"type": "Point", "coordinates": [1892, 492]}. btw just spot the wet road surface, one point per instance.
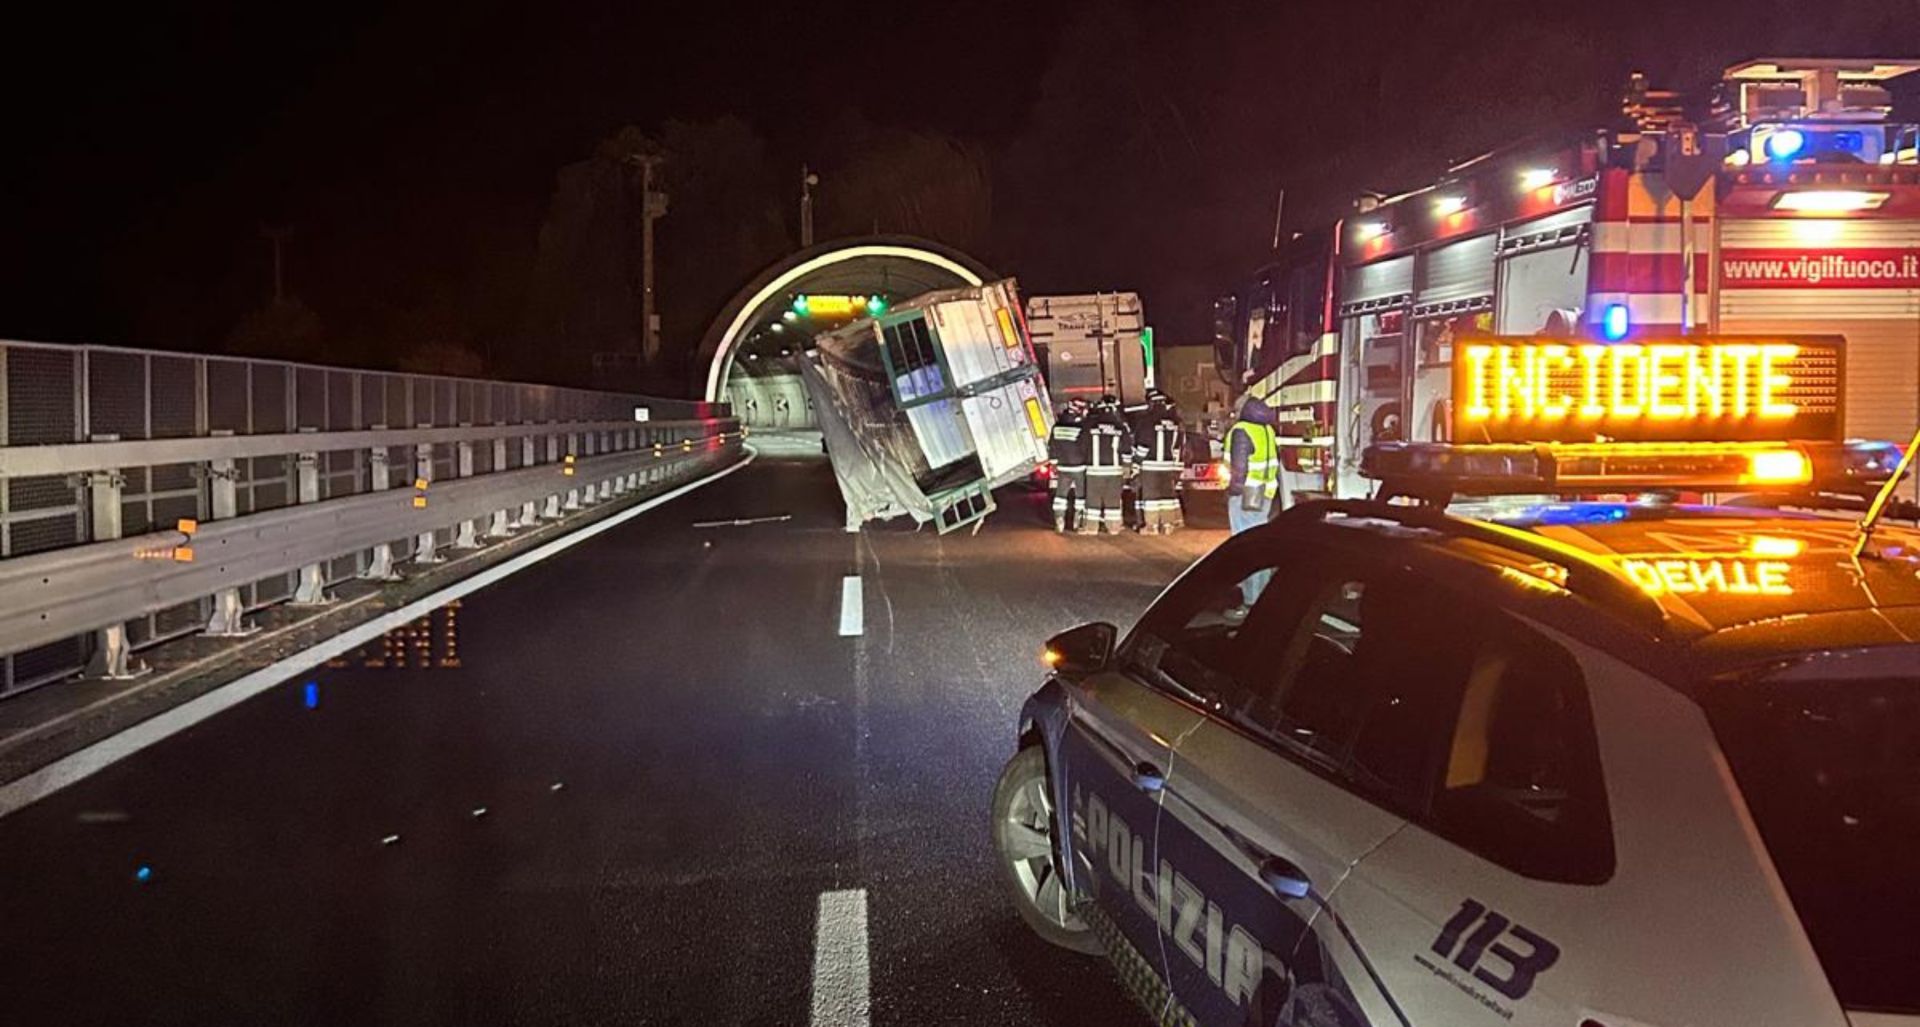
{"type": "Point", "coordinates": [612, 788]}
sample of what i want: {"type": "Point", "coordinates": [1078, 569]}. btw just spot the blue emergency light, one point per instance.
{"type": "Point", "coordinates": [1786, 142]}
{"type": "Point", "coordinates": [1615, 322]}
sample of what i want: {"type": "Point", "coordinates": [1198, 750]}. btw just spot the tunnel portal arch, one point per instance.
{"type": "Point", "coordinates": [899, 267]}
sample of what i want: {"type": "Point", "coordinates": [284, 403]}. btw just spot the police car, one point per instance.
{"type": "Point", "coordinates": [1530, 761]}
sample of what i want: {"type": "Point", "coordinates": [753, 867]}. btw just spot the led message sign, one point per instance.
{"type": "Point", "coordinates": [1709, 576]}
{"type": "Point", "coordinates": [1522, 389]}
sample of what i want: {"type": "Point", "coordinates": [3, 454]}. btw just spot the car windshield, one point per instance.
{"type": "Point", "coordinates": [1831, 772]}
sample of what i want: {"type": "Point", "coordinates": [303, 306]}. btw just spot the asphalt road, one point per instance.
{"type": "Point", "coordinates": [656, 752]}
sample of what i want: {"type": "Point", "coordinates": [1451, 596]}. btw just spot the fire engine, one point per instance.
{"type": "Point", "coordinates": [1783, 202]}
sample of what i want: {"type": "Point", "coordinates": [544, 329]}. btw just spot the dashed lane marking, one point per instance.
{"type": "Point", "coordinates": [852, 607]}
{"type": "Point", "coordinates": [840, 969]}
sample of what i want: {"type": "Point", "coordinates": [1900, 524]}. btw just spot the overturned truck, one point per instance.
{"type": "Point", "coordinates": [928, 408]}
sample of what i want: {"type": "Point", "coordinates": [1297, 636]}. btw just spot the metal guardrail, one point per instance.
{"type": "Point", "coordinates": [295, 478]}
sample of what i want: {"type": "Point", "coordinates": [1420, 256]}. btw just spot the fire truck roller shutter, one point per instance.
{"type": "Point", "coordinates": [1852, 277]}
{"type": "Point", "coordinates": [1454, 296]}
{"type": "Point", "coordinates": [1373, 330]}
{"type": "Point", "coordinates": [1542, 270]}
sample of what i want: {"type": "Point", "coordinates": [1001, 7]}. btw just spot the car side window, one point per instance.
{"type": "Point", "coordinates": [1521, 783]}
{"type": "Point", "coordinates": [1447, 709]}
{"type": "Point", "coordinates": [1357, 686]}
{"type": "Point", "coordinates": [1198, 636]}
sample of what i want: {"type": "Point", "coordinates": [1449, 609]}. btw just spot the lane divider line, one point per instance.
{"type": "Point", "coordinates": [853, 607]}
{"type": "Point", "coordinates": [841, 988]}
{"type": "Point", "coordinates": [85, 763]}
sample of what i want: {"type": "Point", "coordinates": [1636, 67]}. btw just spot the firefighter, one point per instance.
{"type": "Point", "coordinates": [1157, 438]}
{"type": "Point", "coordinates": [1109, 454]}
{"type": "Point", "coordinates": [1253, 482]}
{"type": "Point", "coordinates": [1067, 451]}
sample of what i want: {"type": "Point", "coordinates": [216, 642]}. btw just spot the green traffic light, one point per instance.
{"type": "Point", "coordinates": [800, 305]}
{"type": "Point", "coordinates": [876, 305]}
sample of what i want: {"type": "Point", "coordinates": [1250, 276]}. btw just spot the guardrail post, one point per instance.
{"type": "Point", "coordinates": [380, 565]}
{"type": "Point", "coordinates": [550, 510]}
{"type": "Point", "coordinates": [467, 536]}
{"type": "Point", "coordinates": [604, 442]}
{"type": "Point", "coordinates": [112, 650]}
{"type": "Point", "coordinates": [223, 502]}
{"type": "Point", "coordinates": [312, 590]}
{"type": "Point", "coordinates": [501, 524]}
{"type": "Point", "coordinates": [424, 550]}
{"type": "Point", "coordinates": [639, 443]}
{"type": "Point", "coordinates": [573, 494]}
{"type": "Point", "coordinates": [528, 512]}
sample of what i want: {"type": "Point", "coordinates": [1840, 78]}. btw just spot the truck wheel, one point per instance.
{"type": "Point", "coordinates": [1023, 830]}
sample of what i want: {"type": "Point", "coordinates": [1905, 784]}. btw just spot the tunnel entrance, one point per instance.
{"type": "Point", "coordinates": [752, 349]}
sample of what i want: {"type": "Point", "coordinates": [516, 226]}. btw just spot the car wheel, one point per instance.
{"type": "Point", "coordinates": [1023, 828]}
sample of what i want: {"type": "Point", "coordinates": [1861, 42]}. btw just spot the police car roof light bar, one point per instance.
{"type": "Point", "coordinates": [1588, 576]}
{"type": "Point", "coordinates": [1431, 471]}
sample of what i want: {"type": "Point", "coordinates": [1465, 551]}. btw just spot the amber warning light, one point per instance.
{"type": "Point", "coordinates": [1724, 388]}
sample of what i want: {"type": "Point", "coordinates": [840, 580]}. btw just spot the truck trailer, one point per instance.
{"type": "Point", "coordinates": [928, 408]}
{"type": "Point", "coordinates": [1092, 344]}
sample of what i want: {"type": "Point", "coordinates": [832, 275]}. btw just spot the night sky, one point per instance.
{"type": "Point", "coordinates": [412, 153]}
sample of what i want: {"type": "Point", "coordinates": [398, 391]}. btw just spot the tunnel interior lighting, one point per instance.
{"type": "Point", "coordinates": [1538, 178]}
{"type": "Point", "coordinates": [1785, 143]}
{"type": "Point", "coordinates": [1829, 201]}
{"type": "Point", "coordinates": [1615, 321]}
{"type": "Point", "coordinates": [1369, 230]}
{"type": "Point", "coordinates": [1445, 205]}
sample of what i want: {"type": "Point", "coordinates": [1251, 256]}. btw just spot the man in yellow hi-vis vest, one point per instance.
{"type": "Point", "coordinates": [1253, 482]}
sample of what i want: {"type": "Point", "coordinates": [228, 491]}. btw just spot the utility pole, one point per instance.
{"type": "Point", "coordinates": [807, 181]}
{"type": "Point", "coordinates": [653, 207]}
{"type": "Point", "coordinates": [277, 236]}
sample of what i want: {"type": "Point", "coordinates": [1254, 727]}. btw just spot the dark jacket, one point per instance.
{"type": "Point", "coordinates": [1109, 441]}
{"type": "Point", "coordinates": [1067, 444]}
{"type": "Point", "coordinates": [1157, 434]}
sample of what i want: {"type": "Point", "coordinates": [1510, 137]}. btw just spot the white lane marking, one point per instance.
{"type": "Point", "coordinates": [840, 986]}
{"type": "Point", "coordinates": [853, 608]}
{"type": "Point", "coordinates": [94, 758]}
